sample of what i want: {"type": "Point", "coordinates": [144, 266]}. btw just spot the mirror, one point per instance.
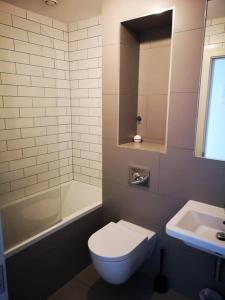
{"type": "Point", "coordinates": [210, 141]}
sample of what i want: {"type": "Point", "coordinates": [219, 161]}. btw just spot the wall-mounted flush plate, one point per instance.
{"type": "Point", "coordinates": [139, 176]}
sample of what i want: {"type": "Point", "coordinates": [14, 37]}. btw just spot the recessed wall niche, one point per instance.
{"type": "Point", "coordinates": [145, 51]}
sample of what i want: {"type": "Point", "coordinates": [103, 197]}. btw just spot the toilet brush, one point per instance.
{"type": "Point", "coordinates": [161, 284]}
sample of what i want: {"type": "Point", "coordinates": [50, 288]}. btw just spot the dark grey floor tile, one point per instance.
{"type": "Point", "coordinates": [87, 285]}
{"type": "Point", "coordinates": [88, 276]}
{"type": "Point", "coordinates": [138, 287]}
{"type": "Point", "coordinates": [170, 295]}
{"type": "Point", "coordinates": [73, 290]}
{"type": "Point", "coordinates": [180, 297]}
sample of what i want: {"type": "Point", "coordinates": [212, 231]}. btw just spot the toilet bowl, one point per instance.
{"type": "Point", "coordinates": [118, 249]}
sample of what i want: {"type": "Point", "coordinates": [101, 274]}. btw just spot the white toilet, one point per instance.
{"type": "Point", "coordinates": [118, 249]}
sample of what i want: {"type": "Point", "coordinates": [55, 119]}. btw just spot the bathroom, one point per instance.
{"type": "Point", "coordinates": [105, 126]}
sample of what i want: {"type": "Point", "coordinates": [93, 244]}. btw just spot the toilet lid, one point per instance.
{"type": "Point", "coordinates": [114, 242]}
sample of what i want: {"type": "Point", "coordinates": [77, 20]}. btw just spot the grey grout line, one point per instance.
{"type": "Point", "coordinates": [37, 33]}
{"type": "Point", "coordinates": [44, 96]}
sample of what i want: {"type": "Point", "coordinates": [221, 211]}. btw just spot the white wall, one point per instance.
{"type": "Point", "coordinates": [214, 34]}
{"type": "Point", "coordinates": [85, 55]}
{"type": "Point", "coordinates": [35, 109]}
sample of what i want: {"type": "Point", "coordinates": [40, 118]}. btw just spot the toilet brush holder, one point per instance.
{"type": "Point", "coordinates": [161, 283]}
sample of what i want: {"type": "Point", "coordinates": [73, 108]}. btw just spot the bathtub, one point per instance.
{"type": "Point", "coordinates": [30, 219]}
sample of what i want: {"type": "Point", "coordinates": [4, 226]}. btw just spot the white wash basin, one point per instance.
{"type": "Point", "coordinates": [197, 224]}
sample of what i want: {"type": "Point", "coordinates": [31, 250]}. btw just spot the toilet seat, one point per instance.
{"type": "Point", "coordinates": [102, 243]}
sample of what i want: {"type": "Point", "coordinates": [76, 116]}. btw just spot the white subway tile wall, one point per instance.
{"type": "Point", "coordinates": [35, 113]}
{"type": "Point", "coordinates": [85, 57]}
{"type": "Point", "coordinates": [215, 34]}
{"type": "Point", "coordinates": [50, 102]}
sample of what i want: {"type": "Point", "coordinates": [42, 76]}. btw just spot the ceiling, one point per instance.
{"type": "Point", "coordinates": [67, 11]}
